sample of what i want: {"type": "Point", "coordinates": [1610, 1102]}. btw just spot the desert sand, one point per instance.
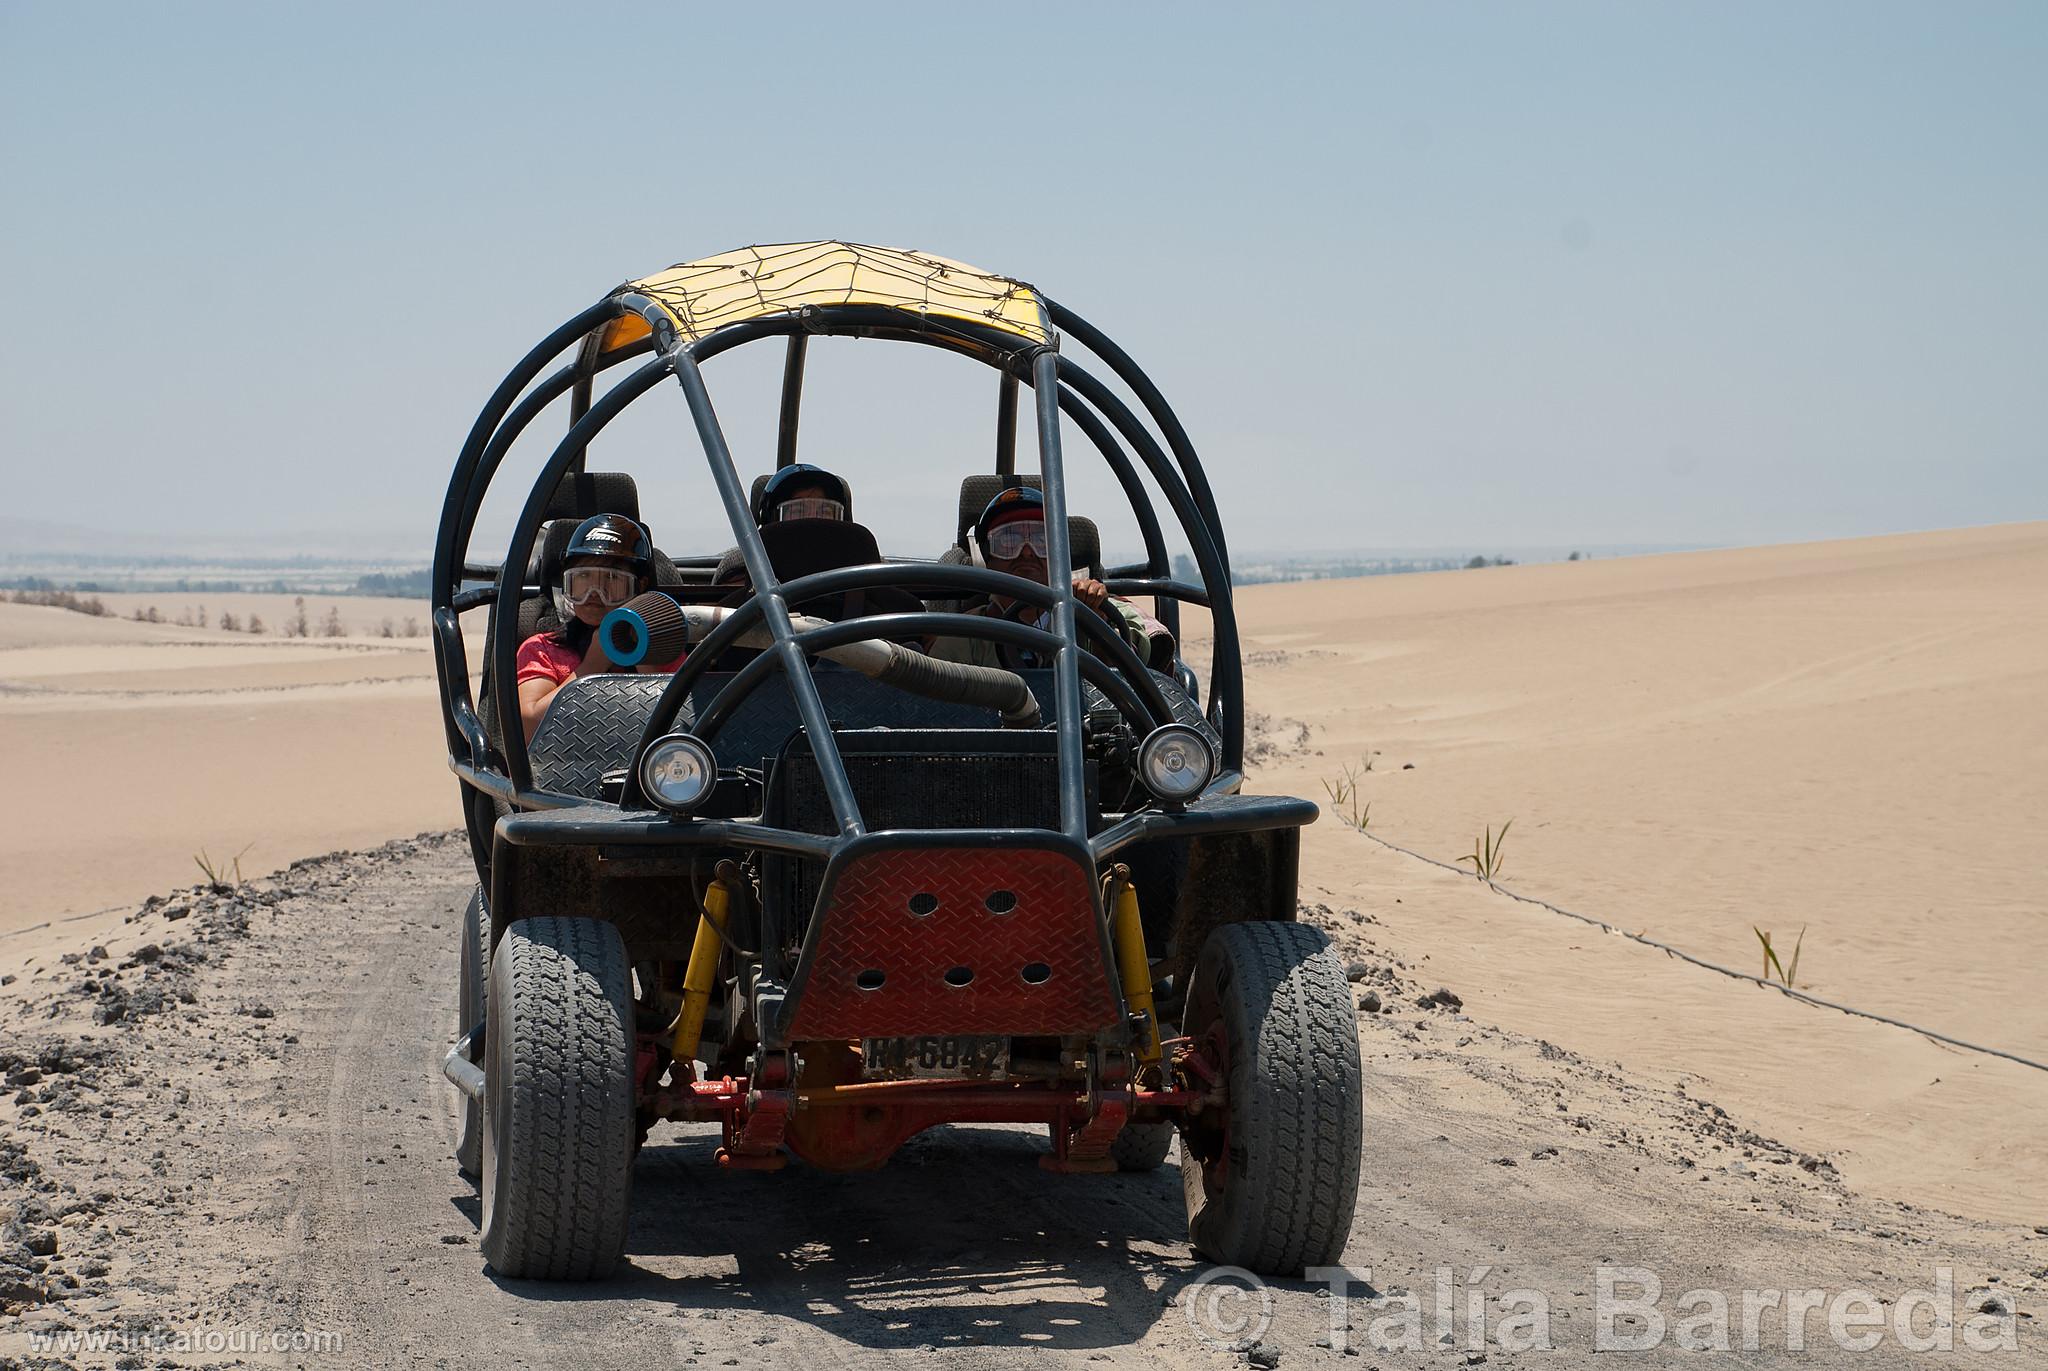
{"type": "Point", "coordinates": [1845, 737]}
{"type": "Point", "coordinates": [132, 747]}
{"type": "Point", "coordinates": [232, 1121]}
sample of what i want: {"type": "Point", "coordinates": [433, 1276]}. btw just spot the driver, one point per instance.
{"type": "Point", "coordinates": [1011, 535]}
{"type": "Point", "coordinates": [608, 561]}
{"type": "Point", "coordinates": [802, 491]}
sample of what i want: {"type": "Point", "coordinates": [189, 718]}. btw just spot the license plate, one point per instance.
{"type": "Point", "coordinates": [971, 1056]}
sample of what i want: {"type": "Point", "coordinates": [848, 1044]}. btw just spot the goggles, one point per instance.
{"type": "Point", "coordinates": [809, 507]}
{"type": "Point", "coordinates": [609, 586]}
{"type": "Point", "coordinates": [1007, 540]}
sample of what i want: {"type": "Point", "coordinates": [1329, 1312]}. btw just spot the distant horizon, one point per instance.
{"type": "Point", "coordinates": [387, 550]}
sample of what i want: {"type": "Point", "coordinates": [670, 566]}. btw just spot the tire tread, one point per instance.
{"type": "Point", "coordinates": [1297, 1111]}
{"type": "Point", "coordinates": [560, 1206]}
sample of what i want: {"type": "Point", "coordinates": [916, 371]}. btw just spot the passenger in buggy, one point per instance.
{"type": "Point", "coordinates": [805, 514]}
{"type": "Point", "coordinates": [1011, 535]}
{"type": "Point", "coordinates": [609, 560]}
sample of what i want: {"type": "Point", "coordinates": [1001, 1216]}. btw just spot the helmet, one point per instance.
{"type": "Point", "coordinates": [795, 477]}
{"type": "Point", "coordinates": [612, 535]}
{"type": "Point", "coordinates": [1014, 502]}
{"type": "Point", "coordinates": [615, 538]}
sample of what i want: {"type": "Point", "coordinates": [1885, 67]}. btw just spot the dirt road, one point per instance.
{"type": "Point", "coordinates": [226, 1141]}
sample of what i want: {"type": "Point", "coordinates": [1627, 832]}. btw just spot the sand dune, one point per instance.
{"type": "Point", "coordinates": [132, 746]}
{"type": "Point", "coordinates": [1842, 737]}
{"type": "Point", "coordinates": [1846, 737]}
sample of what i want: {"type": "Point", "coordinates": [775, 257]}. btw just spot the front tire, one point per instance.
{"type": "Point", "coordinates": [1271, 1178]}
{"type": "Point", "coordinates": [558, 1096]}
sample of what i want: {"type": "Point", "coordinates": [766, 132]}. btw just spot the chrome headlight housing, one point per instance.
{"type": "Point", "coordinates": [1175, 762]}
{"type": "Point", "coordinates": [677, 772]}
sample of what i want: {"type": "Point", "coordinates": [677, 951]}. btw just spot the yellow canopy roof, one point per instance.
{"type": "Point", "coordinates": [780, 278]}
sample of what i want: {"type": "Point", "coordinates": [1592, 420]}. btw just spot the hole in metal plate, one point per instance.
{"type": "Point", "coordinates": [923, 903]}
{"type": "Point", "coordinates": [1037, 973]}
{"type": "Point", "coordinates": [871, 979]}
{"type": "Point", "coordinates": [960, 975]}
{"type": "Point", "coordinates": [1001, 901]}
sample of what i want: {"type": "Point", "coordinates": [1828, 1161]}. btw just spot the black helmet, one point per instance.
{"type": "Point", "coordinates": [612, 535]}
{"type": "Point", "coordinates": [1011, 502]}
{"type": "Point", "coordinates": [795, 477]}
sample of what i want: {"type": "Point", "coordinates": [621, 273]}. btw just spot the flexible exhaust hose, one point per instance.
{"type": "Point", "coordinates": [653, 626]}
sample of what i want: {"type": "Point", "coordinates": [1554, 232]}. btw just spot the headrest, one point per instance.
{"type": "Point", "coordinates": [1085, 542]}
{"type": "Point", "coordinates": [537, 615]}
{"type": "Point", "coordinates": [544, 568]}
{"type": "Point", "coordinates": [975, 493]}
{"type": "Point", "coordinates": [800, 548]}
{"type": "Point", "coordinates": [584, 493]}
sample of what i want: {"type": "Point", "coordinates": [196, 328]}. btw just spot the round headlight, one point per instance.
{"type": "Point", "coordinates": [677, 772]}
{"type": "Point", "coordinates": [1175, 762]}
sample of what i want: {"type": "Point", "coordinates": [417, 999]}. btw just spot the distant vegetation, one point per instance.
{"type": "Point", "coordinates": [1248, 573]}
{"type": "Point", "coordinates": [299, 625]}
{"type": "Point", "coordinates": [1252, 573]}
{"type": "Point", "coordinates": [102, 575]}
{"type": "Point", "coordinates": [61, 599]}
{"type": "Point", "coordinates": [397, 585]}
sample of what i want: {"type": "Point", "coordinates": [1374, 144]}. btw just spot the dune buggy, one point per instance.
{"type": "Point", "coordinates": [887, 891]}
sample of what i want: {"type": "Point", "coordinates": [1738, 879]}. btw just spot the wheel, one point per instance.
{"type": "Point", "coordinates": [558, 1101]}
{"type": "Point", "coordinates": [1271, 1178]}
{"type": "Point", "coordinates": [476, 969]}
{"type": "Point", "coordinates": [1141, 1146]}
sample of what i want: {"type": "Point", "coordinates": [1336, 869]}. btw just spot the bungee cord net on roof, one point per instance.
{"type": "Point", "coordinates": [704, 296]}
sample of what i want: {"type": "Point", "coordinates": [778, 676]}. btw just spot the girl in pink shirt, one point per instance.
{"type": "Point", "coordinates": [609, 560]}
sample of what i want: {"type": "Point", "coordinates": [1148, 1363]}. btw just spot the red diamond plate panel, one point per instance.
{"type": "Point", "coordinates": [871, 927]}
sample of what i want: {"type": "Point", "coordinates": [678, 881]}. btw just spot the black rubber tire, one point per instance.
{"type": "Point", "coordinates": [476, 970]}
{"type": "Point", "coordinates": [558, 1101]}
{"type": "Point", "coordinates": [1141, 1146]}
{"type": "Point", "coordinates": [1295, 1113]}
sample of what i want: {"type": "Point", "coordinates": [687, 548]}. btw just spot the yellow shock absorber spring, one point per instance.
{"type": "Point", "coordinates": [702, 971]}
{"type": "Point", "coordinates": [1133, 966]}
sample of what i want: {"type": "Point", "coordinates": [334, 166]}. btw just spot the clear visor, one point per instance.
{"type": "Point", "coordinates": [1008, 540]}
{"type": "Point", "coordinates": [809, 507]}
{"type": "Point", "coordinates": [609, 586]}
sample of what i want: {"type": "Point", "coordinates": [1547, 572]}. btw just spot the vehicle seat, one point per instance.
{"type": "Point", "coordinates": [576, 497]}
{"type": "Point", "coordinates": [1084, 538]}
{"type": "Point", "coordinates": [975, 493]}
{"type": "Point", "coordinates": [580, 495]}
{"type": "Point", "coordinates": [806, 546]}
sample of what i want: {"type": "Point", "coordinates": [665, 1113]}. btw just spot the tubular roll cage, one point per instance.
{"type": "Point", "coordinates": [1060, 385]}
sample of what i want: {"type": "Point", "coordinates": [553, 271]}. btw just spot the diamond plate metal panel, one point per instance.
{"type": "Point", "coordinates": [1185, 710]}
{"type": "Point", "coordinates": [1037, 968]}
{"type": "Point", "coordinates": [589, 729]}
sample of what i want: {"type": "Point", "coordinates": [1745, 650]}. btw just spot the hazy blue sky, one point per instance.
{"type": "Point", "coordinates": [1414, 275]}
